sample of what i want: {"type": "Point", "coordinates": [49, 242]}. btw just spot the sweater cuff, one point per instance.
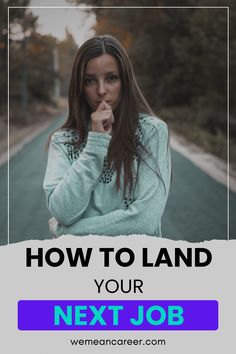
{"type": "Point", "coordinates": [97, 142]}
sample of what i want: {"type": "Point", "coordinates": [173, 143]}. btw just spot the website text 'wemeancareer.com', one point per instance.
{"type": "Point", "coordinates": [117, 342]}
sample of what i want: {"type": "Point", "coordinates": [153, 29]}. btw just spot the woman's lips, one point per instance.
{"type": "Point", "coordinates": [98, 102]}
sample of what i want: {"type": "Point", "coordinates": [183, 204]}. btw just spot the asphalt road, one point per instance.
{"type": "Point", "coordinates": [196, 208]}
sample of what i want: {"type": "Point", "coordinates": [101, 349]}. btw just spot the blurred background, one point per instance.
{"type": "Point", "coordinates": [180, 60]}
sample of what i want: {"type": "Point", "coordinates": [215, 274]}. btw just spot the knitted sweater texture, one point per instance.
{"type": "Point", "coordinates": [80, 186]}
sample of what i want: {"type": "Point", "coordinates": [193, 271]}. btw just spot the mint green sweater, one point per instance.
{"type": "Point", "coordinates": [80, 187]}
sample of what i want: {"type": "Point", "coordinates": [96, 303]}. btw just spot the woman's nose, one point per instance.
{"type": "Point", "coordinates": [101, 88]}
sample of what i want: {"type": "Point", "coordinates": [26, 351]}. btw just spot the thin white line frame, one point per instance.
{"type": "Point", "coordinates": [124, 7]}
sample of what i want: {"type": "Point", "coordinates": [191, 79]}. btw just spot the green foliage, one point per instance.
{"type": "Point", "coordinates": [67, 52]}
{"type": "Point", "coordinates": [32, 73]}
{"type": "Point", "coordinates": [14, 15]}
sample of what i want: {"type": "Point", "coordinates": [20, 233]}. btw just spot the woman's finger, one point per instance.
{"type": "Point", "coordinates": [101, 106]}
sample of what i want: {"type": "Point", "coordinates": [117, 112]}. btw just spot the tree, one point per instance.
{"type": "Point", "coordinates": [67, 52]}
{"type": "Point", "coordinates": [14, 16]}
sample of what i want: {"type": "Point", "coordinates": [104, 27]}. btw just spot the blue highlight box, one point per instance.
{"type": "Point", "coordinates": [118, 315]}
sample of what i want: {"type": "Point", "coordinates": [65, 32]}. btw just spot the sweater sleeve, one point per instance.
{"type": "Point", "coordinates": [68, 186]}
{"type": "Point", "coordinates": [144, 215]}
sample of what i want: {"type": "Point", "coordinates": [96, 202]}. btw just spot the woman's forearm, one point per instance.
{"type": "Point", "coordinates": [68, 187]}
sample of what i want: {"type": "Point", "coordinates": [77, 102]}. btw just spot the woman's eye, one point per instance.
{"type": "Point", "coordinates": [88, 82]}
{"type": "Point", "coordinates": [112, 78]}
{"type": "Point", "coordinates": [109, 79]}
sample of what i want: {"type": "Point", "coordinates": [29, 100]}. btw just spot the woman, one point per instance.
{"type": "Point", "coordinates": [108, 169]}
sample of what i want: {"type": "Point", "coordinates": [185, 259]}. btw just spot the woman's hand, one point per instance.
{"type": "Point", "coordinates": [102, 119]}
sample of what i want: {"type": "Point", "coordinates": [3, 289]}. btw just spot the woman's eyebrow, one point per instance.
{"type": "Point", "coordinates": [112, 72]}
{"type": "Point", "coordinates": [108, 73]}
{"type": "Point", "coordinates": [88, 74]}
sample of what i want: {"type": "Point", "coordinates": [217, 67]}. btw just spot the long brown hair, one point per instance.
{"type": "Point", "coordinates": [123, 147]}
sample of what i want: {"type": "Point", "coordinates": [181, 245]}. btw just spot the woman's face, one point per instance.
{"type": "Point", "coordinates": [102, 81]}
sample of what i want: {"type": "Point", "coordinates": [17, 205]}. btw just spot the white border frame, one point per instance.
{"type": "Point", "coordinates": [119, 7]}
